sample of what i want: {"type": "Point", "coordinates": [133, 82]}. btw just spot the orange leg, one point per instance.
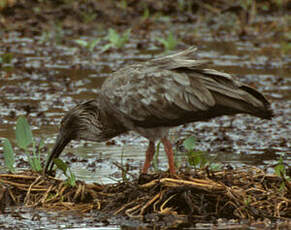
{"type": "Point", "coordinates": [169, 151]}
{"type": "Point", "coordinates": [149, 156]}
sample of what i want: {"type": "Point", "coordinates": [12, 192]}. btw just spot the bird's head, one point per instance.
{"type": "Point", "coordinates": [80, 123]}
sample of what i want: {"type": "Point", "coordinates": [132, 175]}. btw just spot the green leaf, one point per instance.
{"type": "Point", "coordinates": [215, 166]}
{"type": "Point", "coordinates": [116, 40]}
{"type": "Point", "coordinates": [113, 36]}
{"type": "Point", "coordinates": [194, 158]}
{"type": "Point", "coordinates": [93, 43]}
{"type": "Point", "coordinates": [35, 159]}
{"type": "Point", "coordinates": [81, 42]}
{"type": "Point", "coordinates": [169, 43]}
{"type": "Point", "coordinates": [7, 58]}
{"type": "Point", "coordinates": [189, 143]}
{"type": "Point", "coordinates": [203, 160]}
{"type": "Point", "coordinates": [107, 47]}
{"type": "Point", "coordinates": [280, 168]}
{"type": "Point", "coordinates": [72, 179]}
{"type": "Point", "coordinates": [23, 133]}
{"type": "Point", "coordinates": [8, 155]}
{"type": "Point", "coordinates": [38, 167]}
{"type": "Point", "coordinates": [61, 165]}
{"type": "Point", "coordinates": [146, 13]}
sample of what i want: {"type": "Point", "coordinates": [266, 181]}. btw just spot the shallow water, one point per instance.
{"type": "Point", "coordinates": [44, 87]}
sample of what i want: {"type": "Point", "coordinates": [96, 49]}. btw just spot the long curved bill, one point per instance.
{"type": "Point", "coordinates": [59, 146]}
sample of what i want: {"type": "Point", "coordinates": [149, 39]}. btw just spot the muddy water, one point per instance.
{"type": "Point", "coordinates": [45, 80]}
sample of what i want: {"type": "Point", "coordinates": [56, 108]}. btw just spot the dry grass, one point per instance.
{"type": "Point", "coordinates": [245, 193]}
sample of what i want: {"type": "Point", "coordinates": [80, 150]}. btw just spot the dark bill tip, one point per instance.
{"type": "Point", "coordinates": [59, 146]}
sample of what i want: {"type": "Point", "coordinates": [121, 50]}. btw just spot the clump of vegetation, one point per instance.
{"type": "Point", "coordinates": [55, 34]}
{"type": "Point", "coordinates": [6, 58]}
{"type": "Point", "coordinates": [88, 17]}
{"type": "Point", "coordinates": [71, 179]}
{"type": "Point", "coordinates": [146, 14]}
{"type": "Point", "coordinates": [24, 140]}
{"type": "Point", "coordinates": [89, 45]}
{"type": "Point", "coordinates": [197, 159]}
{"type": "Point", "coordinates": [169, 43]}
{"type": "Point", "coordinates": [280, 171]}
{"type": "Point", "coordinates": [123, 4]}
{"type": "Point", "coordinates": [116, 40]}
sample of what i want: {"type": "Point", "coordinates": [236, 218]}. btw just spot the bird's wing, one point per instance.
{"type": "Point", "coordinates": [155, 97]}
{"type": "Point", "coordinates": [175, 89]}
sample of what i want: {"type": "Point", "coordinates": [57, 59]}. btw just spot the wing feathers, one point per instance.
{"type": "Point", "coordinates": [176, 89]}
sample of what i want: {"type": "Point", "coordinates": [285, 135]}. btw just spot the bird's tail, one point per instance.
{"type": "Point", "coordinates": [243, 99]}
{"type": "Point", "coordinates": [232, 96]}
{"type": "Point", "coordinates": [261, 109]}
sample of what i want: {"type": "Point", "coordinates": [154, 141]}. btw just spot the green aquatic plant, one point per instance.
{"type": "Point", "coordinates": [246, 4]}
{"type": "Point", "coordinates": [280, 171]}
{"type": "Point", "coordinates": [6, 58]}
{"type": "Point", "coordinates": [146, 13]}
{"type": "Point", "coordinates": [169, 43]}
{"type": "Point", "coordinates": [123, 4]}
{"type": "Point", "coordinates": [71, 178]}
{"type": "Point", "coordinates": [198, 159]}
{"type": "Point", "coordinates": [55, 34]}
{"type": "Point", "coordinates": [24, 140]}
{"type": "Point", "coordinates": [90, 45]}
{"type": "Point", "coordinates": [124, 168]}
{"type": "Point", "coordinates": [9, 159]}
{"type": "Point", "coordinates": [116, 40]}
{"type": "Point", "coordinates": [88, 17]}
{"type": "Point", "coordinates": [195, 158]}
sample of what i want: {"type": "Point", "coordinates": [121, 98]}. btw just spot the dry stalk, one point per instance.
{"type": "Point", "coordinates": [149, 203]}
{"type": "Point", "coordinates": [26, 199]}
{"type": "Point", "coordinates": [129, 212]}
{"type": "Point", "coordinates": [124, 207]}
{"type": "Point", "coordinates": [243, 193]}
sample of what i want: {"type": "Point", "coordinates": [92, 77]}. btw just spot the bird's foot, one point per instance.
{"type": "Point", "coordinates": [174, 175]}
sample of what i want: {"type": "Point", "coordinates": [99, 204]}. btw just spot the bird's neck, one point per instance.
{"type": "Point", "coordinates": [111, 125]}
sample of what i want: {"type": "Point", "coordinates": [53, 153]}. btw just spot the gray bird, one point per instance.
{"type": "Point", "coordinates": [152, 97]}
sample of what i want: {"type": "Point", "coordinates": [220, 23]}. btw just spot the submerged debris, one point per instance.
{"type": "Point", "coordinates": [245, 193]}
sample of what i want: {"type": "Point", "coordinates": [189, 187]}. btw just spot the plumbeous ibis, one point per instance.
{"type": "Point", "coordinates": [154, 96]}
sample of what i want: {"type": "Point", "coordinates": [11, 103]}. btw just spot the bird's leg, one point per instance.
{"type": "Point", "coordinates": [149, 156]}
{"type": "Point", "coordinates": [169, 151]}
